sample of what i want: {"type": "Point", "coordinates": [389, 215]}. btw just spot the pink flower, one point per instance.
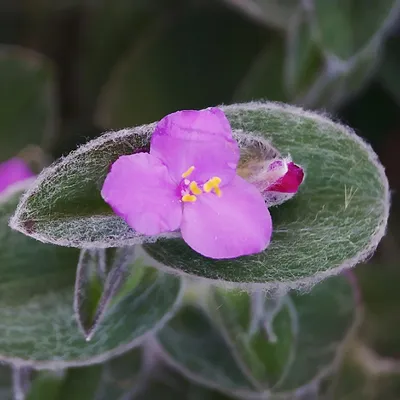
{"type": "Point", "coordinates": [278, 181]}
{"type": "Point", "coordinates": [188, 181]}
{"type": "Point", "coordinates": [13, 171]}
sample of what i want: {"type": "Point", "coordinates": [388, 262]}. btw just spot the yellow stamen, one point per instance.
{"type": "Point", "coordinates": [194, 188]}
{"type": "Point", "coordinates": [208, 187]}
{"type": "Point", "coordinates": [211, 184]}
{"type": "Point", "coordinates": [218, 191]}
{"type": "Point", "coordinates": [188, 172]}
{"type": "Point", "coordinates": [189, 198]}
{"type": "Point", "coordinates": [216, 180]}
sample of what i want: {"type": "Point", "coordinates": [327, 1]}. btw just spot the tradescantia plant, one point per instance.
{"type": "Point", "coordinates": [207, 255]}
{"type": "Point", "coordinates": [173, 220]}
{"type": "Point", "coordinates": [335, 221]}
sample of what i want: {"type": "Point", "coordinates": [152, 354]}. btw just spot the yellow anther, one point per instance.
{"type": "Point", "coordinates": [194, 188]}
{"type": "Point", "coordinates": [212, 184]}
{"type": "Point", "coordinates": [218, 191]}
{"type": "Point", "coordinates": [189, 198]}
{"type": "Point", "coordinates": [208, 187]}
{"type": "Point", "coordinates": [216, 180]}
{"type": "Point", "coordinates": [188, 172]}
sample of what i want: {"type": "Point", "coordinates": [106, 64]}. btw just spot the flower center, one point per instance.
{"type": "Point", "coordinates": [190, 189]}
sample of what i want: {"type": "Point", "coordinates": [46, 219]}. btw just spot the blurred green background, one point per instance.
{"type": "Point", "coordinates": [72, 69]}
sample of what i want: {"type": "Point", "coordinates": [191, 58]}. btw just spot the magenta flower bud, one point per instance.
{"type": "Point", "coordinates": [278, 181]}
{"type": "Point", "coordinates": [12, 171]}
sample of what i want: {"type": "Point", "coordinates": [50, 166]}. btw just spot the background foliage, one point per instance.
{"type": "Point", "coordinates": [70, 70]}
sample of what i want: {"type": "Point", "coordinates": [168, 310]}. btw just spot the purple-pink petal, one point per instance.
{"type": "Point", "coordinates": [13, 171]}
{"type": "Point", "coordinates": [140, 190]}
{"type": "Point", "coordinates": [237, 223]}
{"type": "Point", "coordinates": [199, 139]}
{"type": "Point", "coordinates": [210, 121]}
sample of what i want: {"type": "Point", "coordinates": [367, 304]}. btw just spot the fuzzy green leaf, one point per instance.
{"type": "Point", "coordinates": [325, 317]}
{"type": "Point", "coordinates": [341, 81]}
{"type": "Point", "coordinates": [94, 290]}
{"type": "Point", "coordinates": [261, 329]}
{"type": "Point", "coordinates": [36, 303]}
{"type": "Point", "coordinates": [344, 27]}
{"type": "Point", "coordinates": [304, 60]}
{"type": "Point", "coordinates": [169, 385]}
{"type": "Point", "coordinates": [135, 375]}
{"type": "Point", "coordinates": [195, 343]}
{"type": "Point", "coordinates": [282, 345]}
{"type": "Point", "coordinates": [120, 376]}
{"type": "Point", "coordinates": [296, 69]}
{"type": "Point", "coordinates": [335, 221]}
